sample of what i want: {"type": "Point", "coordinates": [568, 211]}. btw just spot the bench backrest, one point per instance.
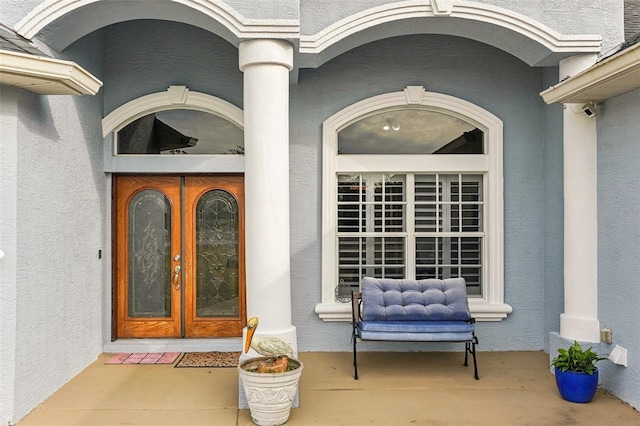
{"type": "Point", "coordinates": [386, 299]}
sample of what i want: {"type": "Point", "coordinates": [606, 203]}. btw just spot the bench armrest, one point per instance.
{"type": "Point", "coordinates": [356, 307]}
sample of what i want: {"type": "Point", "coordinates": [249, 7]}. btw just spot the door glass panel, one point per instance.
{"type": "Point", "coordinates": [217, 255]}
{"type": "Point", "coordinates": [149, 255]}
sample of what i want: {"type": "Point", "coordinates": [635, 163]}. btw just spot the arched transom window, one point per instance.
{"type": "Point", "coordinates": [180, 131]}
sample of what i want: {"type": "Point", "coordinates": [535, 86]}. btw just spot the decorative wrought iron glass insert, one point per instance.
{"type": "Point", "coordinates": [150, 259]}
{"type": "Point", "coordinates": [217, 242]}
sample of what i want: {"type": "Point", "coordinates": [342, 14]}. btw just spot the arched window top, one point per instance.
{"type": "Point", "coordinates": [177, 121]}
{"type": "Point", "coordinates": [462, 116]}
{"type": "Point", "coordinates": [180, 131]}
{"type": "Point", "coordinates": [415, 98]}
{"type": "Point", "coordinates": [410, 130]}
{"type": "Point", "coordinates": [175, 97]}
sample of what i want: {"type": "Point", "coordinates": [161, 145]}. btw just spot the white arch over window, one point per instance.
{"type": "Point", "coordinates": [176, 97]}
{"type": "Point", "coordinates": [489, 307]}
{"type": "Point", "coordinates": [545, 42]}
{"type": "Point", "coordinates": [235, 24]}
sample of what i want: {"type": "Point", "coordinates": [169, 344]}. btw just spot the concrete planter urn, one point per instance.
{"type": "Point", "coordinates": [269, 395]}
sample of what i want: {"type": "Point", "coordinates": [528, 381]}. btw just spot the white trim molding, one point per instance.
{"type": "Point", "coordinates": [241, 27]}
{"type": "Point", "coordinates": [46, 76]}
{"type": "Point", "coordinates": [550, 40]}
{"type": "Point", "coordinates": [176, 97]}
{"type": "Point", "coordinates": [490, 306]}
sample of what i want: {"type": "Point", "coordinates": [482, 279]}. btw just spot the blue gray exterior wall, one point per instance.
{"type": "Point", "coordinates": [472, 71]}
{"type": "Point", "coordinates": [59, 197]}
{"type": "Point", "coordinates": [619, 239]}
{"type": "Point", "coordinates": [61, 192]}
{"type": "Point", "coordinates": [143, 57]}
{"type": "Point", "coordinates": [618, 249]}
{"type": "Point", "coordinates": [553, 212]}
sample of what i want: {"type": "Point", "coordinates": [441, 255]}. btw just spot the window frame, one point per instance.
{"type": "Point", "coordinates": [489, 307]}
{"type": "Point", "coordinates": [175, 97]}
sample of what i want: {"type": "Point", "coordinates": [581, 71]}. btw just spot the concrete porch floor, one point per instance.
{"type": "Point", "coordinates": [515, 388]}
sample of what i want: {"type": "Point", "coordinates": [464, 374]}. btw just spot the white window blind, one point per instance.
{"type": "Point", "coordinates": [449, 233]}
{"type": "Point", "coordinates": [374, 230]}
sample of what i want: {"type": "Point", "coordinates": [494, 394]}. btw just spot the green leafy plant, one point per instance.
{"type": "Point", "coordinates": [576, 359]}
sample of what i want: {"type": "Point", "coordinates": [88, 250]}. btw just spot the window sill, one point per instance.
{"type": "Point", "coordinates": [480, 310]}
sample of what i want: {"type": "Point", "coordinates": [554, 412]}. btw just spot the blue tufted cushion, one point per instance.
{"type": "Point", "coordinates": [416, 326]}
{"type": "Point", "coordinates": [414, 300]}
{"type": "Point", "coordinates": [416, 331]}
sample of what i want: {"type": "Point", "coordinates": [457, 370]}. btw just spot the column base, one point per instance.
{"type": "Point", "coordinates": [579, 328]}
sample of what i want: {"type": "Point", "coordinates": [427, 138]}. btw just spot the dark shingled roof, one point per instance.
{"type": "Point", "coordinates": [630, 41]}
{"type": "Point", "coordinates": [14, 42]}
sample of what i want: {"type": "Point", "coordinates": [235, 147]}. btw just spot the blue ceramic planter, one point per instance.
{"type": "Point", "coordinates": [576, 387]}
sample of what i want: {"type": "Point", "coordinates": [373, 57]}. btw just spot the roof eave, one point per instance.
{"type": "Point", "coordinates": [611, 77]}
{"type": "Point", "coordinates": [46, 76]}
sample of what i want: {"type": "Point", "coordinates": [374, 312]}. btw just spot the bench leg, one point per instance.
{"type": "Point", "coordinates": [471, 348]}
{"type": "Point", "coordinates": [355, 359]}
{"type": "Point", "coordinates": [467, 349]}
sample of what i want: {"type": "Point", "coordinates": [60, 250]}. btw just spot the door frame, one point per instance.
{"type": "Point", "coordinates": [113, 258]}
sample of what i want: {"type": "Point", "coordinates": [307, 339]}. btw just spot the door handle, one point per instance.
{"type": "Point", "coordinates": [176, 277]}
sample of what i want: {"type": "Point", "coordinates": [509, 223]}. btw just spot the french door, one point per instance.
{"type": "Point", "coordinates": [179, 260]}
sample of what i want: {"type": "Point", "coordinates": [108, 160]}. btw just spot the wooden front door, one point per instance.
{"type": "Point", "coordinates": [179, 260]}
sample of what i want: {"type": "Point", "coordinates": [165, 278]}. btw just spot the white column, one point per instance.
{"type": "Point", "coordinates": [266, 65]}
{"type": "Point", "coordinates": [580, 318]}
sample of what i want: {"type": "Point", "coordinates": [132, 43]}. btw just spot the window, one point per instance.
{"type": "Point", "coordinates": [180, 131]}
{"type": "Point", "coordinates": [412, 188]}
{"type": "Point", "coordinates": [176, 121]}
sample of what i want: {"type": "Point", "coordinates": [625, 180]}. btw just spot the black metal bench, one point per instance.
{"type": "Point", "coordinates": [431, 310]}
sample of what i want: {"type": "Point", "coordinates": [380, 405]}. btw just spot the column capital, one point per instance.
{"type": "Point", "coordinates": [265, 51]}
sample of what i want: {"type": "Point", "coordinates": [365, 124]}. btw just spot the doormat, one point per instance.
{"type": "Point", "coordinates": [209, 359]}
{"type": "Point", "coordinates": [143, 358]}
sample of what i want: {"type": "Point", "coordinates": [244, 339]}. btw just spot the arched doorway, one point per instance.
{"type": "Point", "coordinates": [178, 235]}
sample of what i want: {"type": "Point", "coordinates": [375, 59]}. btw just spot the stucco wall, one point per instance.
{"type": "Point", "coordinates": [59, 222]}
{"type": "Point", "coordinates": [469, 70]}
{"type": "Point", "coordinates": [553, 212]}
{"type": "Point", "coordinates": [8, 237]}
{"type": "Point", "coordinates": [619, 239]}
{"type": "Point", "coordinates": [144, 57]}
